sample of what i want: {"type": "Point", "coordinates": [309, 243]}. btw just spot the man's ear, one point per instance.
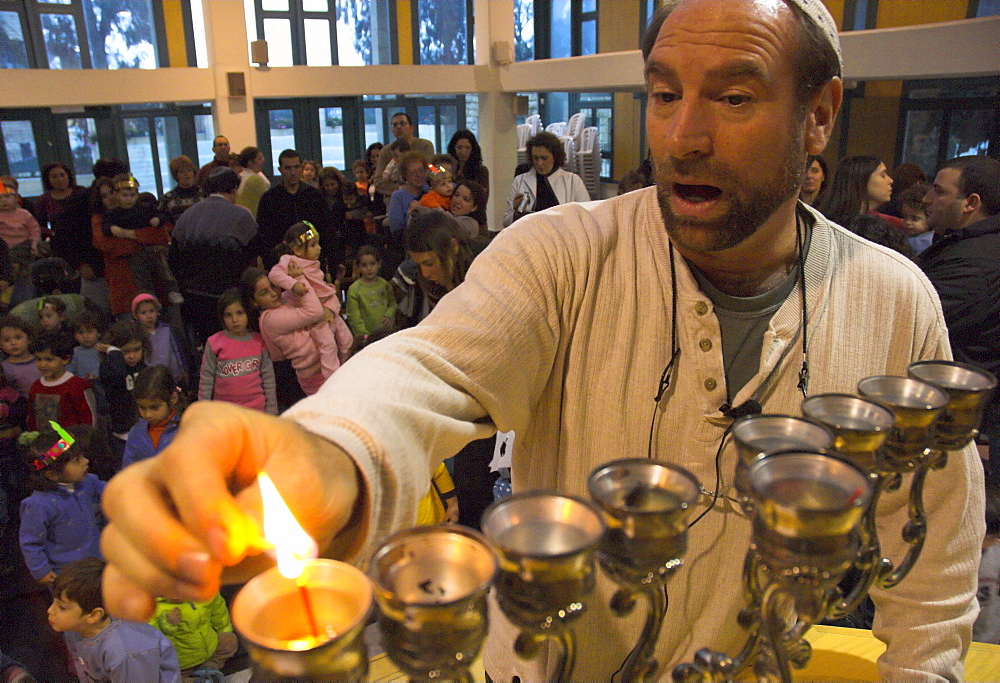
{"type": "Point", "coordinates": [95, 616]}
{"type": "Point", "coordinates": [822, 114]}
{"type": "Point", "coordinates": [972, 203]}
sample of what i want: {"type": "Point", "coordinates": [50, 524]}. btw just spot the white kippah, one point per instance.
{"type": "Point", "coordinates": [820, 16]}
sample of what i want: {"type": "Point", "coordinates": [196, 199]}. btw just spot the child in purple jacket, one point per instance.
{"type": "Point", "coordinates": [59, 520]}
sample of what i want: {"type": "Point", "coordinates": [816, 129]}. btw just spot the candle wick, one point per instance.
{"type": "Point", "coordinates": [303, 591]}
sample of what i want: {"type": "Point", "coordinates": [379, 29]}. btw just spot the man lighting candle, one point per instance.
{"type": "Point", "coordinates": [706, 291]}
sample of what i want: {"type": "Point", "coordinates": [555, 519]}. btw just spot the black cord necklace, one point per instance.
{"type": "Point", "coordinates": [751, 406]}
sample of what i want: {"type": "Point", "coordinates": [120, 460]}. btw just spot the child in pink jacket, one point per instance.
{"type": "Point", "coordinates": [301, 248]}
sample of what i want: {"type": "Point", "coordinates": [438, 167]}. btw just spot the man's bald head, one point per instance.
{"type": "Point", "coordinates": [818, 58]}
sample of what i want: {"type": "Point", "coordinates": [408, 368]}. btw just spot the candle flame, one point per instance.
{"type": "Point", "coordinates": [293, 547]}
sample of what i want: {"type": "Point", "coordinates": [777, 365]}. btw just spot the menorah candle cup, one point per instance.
{"type": "Point", "coordinates": [968, 389]}
{"type": "Point", "coordinates": [546, 543]}
{"type": "Point", "coordinates": [309, 628]}
{"type": "Point", "coordinates": [859, 426]}
{"type": "Point", "coordinates": [916, 406]}
{"type": "Point", "coordinates": [809, 495]}
{"type": "Point", "coordinates": [431, 585]}
{"type": "Point", "coordinates": [757, 436]}
{"type": "Point", "coordinates": [646, 505]}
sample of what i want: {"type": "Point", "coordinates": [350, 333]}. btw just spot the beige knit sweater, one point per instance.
{"type": "Point", "coordinates": [560, 333]}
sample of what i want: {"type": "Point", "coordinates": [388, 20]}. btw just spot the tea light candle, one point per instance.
{"type": "Point", "coordinates": [305, 617]}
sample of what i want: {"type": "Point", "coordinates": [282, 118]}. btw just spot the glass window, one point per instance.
{"type": "Point", "coordinates": [443, 31]}
{"type": "Point", "coordinates": [140, 152]}
{"type": "Point", "coordinates": [204, 133]}
{"type": "Point", "coordinates": [57, 2]}
{"type": "Point", "coordinates": [354, 33]}
{"type": "Point", "coordinates": [425, 123]}
{"type": "Point", "coordinates": [922, 139]}
{"type": "Point", "coordinates": [61, 43]}
{"type": "Point", "coordinates": [374, 125]}
{"type": "Point", "coordinates": [22, 156]}
{"type": "Point", "coordinates": [315, 6]}
{"type": "Point", "coordinates": [121, 34]}
{"type": "Point", "coordinates": [278, 34]}
{"type": "Point", "coordinates": [524, 30]}
{"type": "Point", "coordinates": [84, 148]}
{"type": "Point", "coordinates": [282, 131]}
{"type": "Point", "coordinates": [331, 137]}
{"type": "Point", "coordinates": [969, 132]}
{"type": "Point", "coordinates": [588, 37]}
{"type": "Point", "coordinates": [13, 52]}
{"type": "Point", "coordinates": [274, 5]}
{"type": "Point", "coordinates": [318, 48]}
{"type": "Point", "coordinates": [561, 29]}
{"type": "Point", "coordinates": [168, 146]}
{"type": "Point", "coordinates": [472, 113]}
{"type": "Point", "coordinates": [988, 8]}
{"type": "Point", "coordinates": [447, 124]}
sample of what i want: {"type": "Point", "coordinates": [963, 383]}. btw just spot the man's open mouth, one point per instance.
{"type": "Point", "coordinates": [696, 194]}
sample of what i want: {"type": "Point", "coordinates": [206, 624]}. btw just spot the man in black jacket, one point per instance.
{"type": "Point", "coordinates": [963, 263]}
{"type": "Point", "coordinates": [289, 202]}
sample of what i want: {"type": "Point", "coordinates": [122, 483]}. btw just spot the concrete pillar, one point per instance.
{"type": "Point", "coordinates": [497, 114]}
{"type": "Point", "coordinates": [226, 36]}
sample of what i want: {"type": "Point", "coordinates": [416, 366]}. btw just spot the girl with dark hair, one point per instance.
{"type": "Point", "coordinates": [236, 366]}
{"type": "Point", "coordinates": [860, 185]}
{"type": "Point", "coordinates": [465, 148]}
{"type": "Point", "coordinates": [816, 180]}
{"type": "Point", "coordinates": [371, 156]}
{"type": "Point", "coordinates": [439, 259]}
{"type": "Point", "coordinates": [160, 404]}
{"type": "Point", "coordinates": [468, 205]}
{"type": "Point", "coordinates": [546, 184]}
{"type": "Point", "coordinates": [286, 327]}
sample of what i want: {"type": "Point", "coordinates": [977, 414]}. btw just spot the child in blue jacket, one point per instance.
{"type": "Point", "coordinates": [160, 404]}
{"type": "Point", "coordinates": [59, 522]}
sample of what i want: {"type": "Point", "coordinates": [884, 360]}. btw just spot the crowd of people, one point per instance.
{"type": "Point", "coordinates": [228, 300]}
{"type": "Point", "coordinates": [120, 309]}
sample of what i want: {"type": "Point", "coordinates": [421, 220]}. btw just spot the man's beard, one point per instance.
{"type": "Point", "coordinates": [752, 201]}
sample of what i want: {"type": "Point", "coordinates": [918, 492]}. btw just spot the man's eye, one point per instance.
{"type": "Point", "coordinates": [665, 97]}
{"type": "Point", "coordinates": [736, 100]}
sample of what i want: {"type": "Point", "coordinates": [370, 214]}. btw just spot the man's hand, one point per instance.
{"type": "Point", "coordinates": [174, 616]}
{"type": "Point", "coordinates": [181, 517]}
{"type": "Point", "coordinates": [47, 579]}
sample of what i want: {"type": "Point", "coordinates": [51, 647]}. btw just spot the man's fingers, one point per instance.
{"type": "Point", "coordinates": [143, 575]}
{"type": "Point", "coordinates": [213, 456]}
{"type": "Point", "coordinates": [124, 599]}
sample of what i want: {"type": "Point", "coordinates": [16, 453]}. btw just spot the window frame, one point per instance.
{"type": "Point", "coordinates": [950, 107]}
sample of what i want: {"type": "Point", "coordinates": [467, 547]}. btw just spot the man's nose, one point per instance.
{"type": "Point", "coordinates": [688, 133]}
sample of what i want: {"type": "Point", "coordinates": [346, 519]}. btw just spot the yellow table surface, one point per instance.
{"type": "Point", "coordinates": [839, 654]}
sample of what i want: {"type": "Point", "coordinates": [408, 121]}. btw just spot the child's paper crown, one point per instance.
{"type": "Point", "coordinates": [126, 184]}
{"type": "Point", "coordinates": [309, 234]}
{"type": "Point", "coordinates": [58, 448]}
{"type": "Point", "coordinates": [438, 173]}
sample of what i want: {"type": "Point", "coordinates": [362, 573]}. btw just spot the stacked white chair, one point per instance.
{"type": "Point", "coordinates": [569, 146]}
{"type": "Point", "coordinates": [589, 162]}
{"type": "Point", "coordinates": [575, 126]}
{"type": "Point", "coordinates": [535, 121]}
{"type": "Point", "coordinates": [558, 129]}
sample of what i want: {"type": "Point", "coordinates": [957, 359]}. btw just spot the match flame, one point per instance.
{"type": "Point", "coordinates": [293, 547]}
